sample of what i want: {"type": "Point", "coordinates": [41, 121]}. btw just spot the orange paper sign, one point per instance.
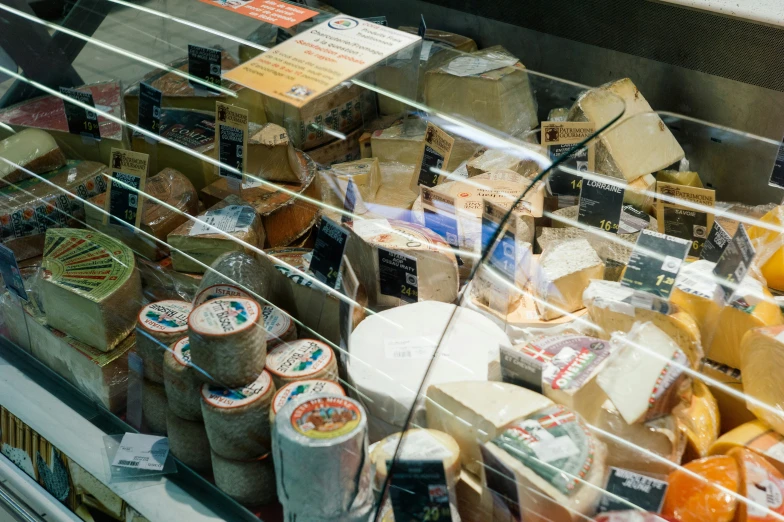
{"type": "Point", "coordinates": [314, 61]}
{"type": "Point", "coordinates": [272, 12]}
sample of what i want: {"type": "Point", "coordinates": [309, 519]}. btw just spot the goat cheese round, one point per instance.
{"type": "Point", "coordinates": [278, 325]}
{"type": "Point", "coordinates": [154, 407]}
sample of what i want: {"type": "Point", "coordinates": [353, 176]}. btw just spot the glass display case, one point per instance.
{"type": "Point", "coordinates": [271, 261]}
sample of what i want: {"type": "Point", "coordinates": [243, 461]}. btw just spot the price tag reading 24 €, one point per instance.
{"type": "Point", "coordinates": [600, 205]}
{"type": "Point", "coordinates": [124, 193]}
{"type": "Point", "coordinates": [232, 132]}
{"type": "Point", "coordinates": [655, 263]}
{"type": "Point", "coordinates": [397, 275]}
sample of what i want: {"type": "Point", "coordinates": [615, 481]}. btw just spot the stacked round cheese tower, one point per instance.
{"type": "Point", "coordinates": [301, 360]}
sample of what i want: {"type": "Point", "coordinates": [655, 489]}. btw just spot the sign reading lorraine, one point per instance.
{"type": "Point", "coordinates": [314, 61]}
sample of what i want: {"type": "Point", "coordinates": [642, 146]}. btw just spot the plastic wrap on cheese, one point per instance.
{"type": "Point", "coordinates": [703, 491]}
{"type": "Point", "coordinates": [770, 247]}
{"type": "Point", "coordinates": [26, 153]}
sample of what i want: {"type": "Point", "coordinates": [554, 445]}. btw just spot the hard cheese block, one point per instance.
{"type": "Point", "coordinates": [564, 272]}
{"type": "Point", "coordinates": [643, 380]}
{"type": "Point", "coordinates": [558, 465]}
{"type": "Point", "coordinates": [272, 157]}
{"type": "Point", "coordinates": [402, 143]}
{"type": "Point", "coordinates": [475, 412]}
{"type": "Point", "coordinates": [31, 151]}
{"type": "Point", "coordinates": [762, 349]}
{"type": "Point", "coordinates": [525, 164]}
{"type": "Point", "coordinates": [338, 151]}
{"type": "Point", "coordinates": [195, 246]}
{"type": "Point", "coordinates": [773, 267]}
{"type": "Point", "coordinates": [702, 490]}
{"type": "Point", "coordinates": [489, 87]}
{"type": "Point", "coordinates": [640, 193]}
{"type": "Point", "coordinates": [48, 113]}
{"type": "Point", "coordinates": [638, 143]}
{"type": "Point", "coordinates": [30, 208]}
{"type": "Point", "coordinates": [178, 92]}
{"type": "Point", "coordinates": [170, 199]}
{"type": "Point", "coordinates": [363, 175]}
{"type": "Point", "coordinates": [90, 288]}
{"type": "Point", "coordinates": [726, 386]}
{"type": "Point", "coordinates": [755, 436]}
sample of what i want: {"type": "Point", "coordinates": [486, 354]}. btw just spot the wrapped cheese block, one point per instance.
{"type": "Point", "coordinates": [159, 325]}
{"type": "Point", "coordinates": [706, 496]}
{"type": "Point", "coordinates": [755, 436]}
{"type": "Point", "coordinates": [183, 386]}
{"type": "Point", "coordinates": [31, 151]}
{"type": "Point", "coordinates": [696, 293]}
{"type": "Point", "coordinates": [700, 420]}
{"type": "Point", "coordinates": [402, 143]}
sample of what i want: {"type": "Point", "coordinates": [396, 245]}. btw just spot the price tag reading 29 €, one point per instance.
{"type": "Point", "coordinates": [600, 205]}
{"type": "Point", "coordinates": [419, 490]}
{"type": "Point", "coordinates": [655, 263]}
{"type": "Point", "coordinates": [124, 198]}
{"type": "Point", "coordinates": [232, 132]}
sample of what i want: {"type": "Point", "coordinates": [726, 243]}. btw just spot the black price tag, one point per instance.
{"type": "Point", "coordinates": [398, 275]}
{"type": "Point", "coordinates": [638, 490]}
{"type": "Point", "coordinates": [633, 220]}
{"type": "Point", "coordinates": [655, 263]}
{"type": "Point", "coordinates": [600, 205]}
{"type": "Point", "coordinates": [735, 261]}
{"type": "Point", "coordinates": [717, 241]}
{"type": "Point", "coordinates": [350, 203]}
{"type": "Point", "coordinates": [422, 26]}
{"type": "Point", "coordinates": [690, 225]}
{"type": "Point", "coordinates": [150, 108]}
{"type": "Point", "coordinates": [80, 120]}
{"type": "Point", "coordinates": [9, 269]}
{"type": "Point", "coordinates": [231, 151]}
{"type": "Point", "coordinates": [430, 160]}
{"type": "Point", "coordinates": [328, 252]}
{"type": "Point", "coordinates": [517, 368]}
{"type": "Point", "coordinates": [777, 176]}
{"type": "Point", "coordinates": [419, 491]}
{"type": "Point", "coordinates": [380, 20]}
{"type": "Point", "coordinates": [204, 63]}
{"type": "Point", "coordinates": [561, 183]}
{"type": "Point", "coordinates": [501, 481]}
{"type": "Point", "coordinates": [124, 190]}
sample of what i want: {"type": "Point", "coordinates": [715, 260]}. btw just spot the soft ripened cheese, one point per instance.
{"type": "Point", "coordinates": [751, 306]}
{"type": "Point", "coordinates": [195, 246]}
{"type": "Point", "coordinates": [564, 272]}
{"type": "Point", "coordinates": [180, 379]}
{"type": "Point", "coordinates": [639, 447]}
{"type": "Point", "coordinates": [31, 151]}
{"type": "Point", "coordinates": [237, 420]}
{"type": "Point", "coordinates": [251, 483]}
{"type": "Point", "coordinates": [489, 87]}
{"type": "Point", "coordinates": [159, 325]}
{"type": "Point", "coordinates": [756, 436]}
{"type": "Point", "coordinates": [437, 275]}
{"type": "Point", "coordinates": [90, 288]}
{"type": "Point", "coordinates": [761, 484]}
{"type": "Point", "coordinates": [154, 407]}
{"type": "Point", "coordinates": [474, 412]}
{"type": "Point", "coordinates": [271, 156]}
{"type": "Point", "coordinates": [188, 442]}
{"type": "Point", "coordinates": [699, 420]}
{"type": "Point", "coordinates": [298, 389]}
{"type": "Point", "coordinates": [227, 341]}
{"type": "Point", "coordinates": [638, 143]}
{"type": "Point", "coordinates": [643, 379]}
{"type": "Point", "coordinates": [761, 350]}
{"type": "Point", "coordinates": [696, 293]}
{"type": "Point", "coordinates": [570, 366]}
{"type": "Point", "coordinates": [390, 352]}
{"type": "Point", "coordinates": [416, 444]}
{"type": "Point", "coordinates": [694, 493]}
{"type": "Point", "coordinates": [558, 465]}
{"type": "Point", "coordinates": [303, 359]}
{"type": "Point", "coordinates": [639, 193]}
{"type": "Point", "coordinates": [614, 308]}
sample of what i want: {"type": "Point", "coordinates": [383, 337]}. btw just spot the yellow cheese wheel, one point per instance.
{"type": "Point", "coordinates": [773, 269]}
{"type": "Point", "coordinates": [756, 436]}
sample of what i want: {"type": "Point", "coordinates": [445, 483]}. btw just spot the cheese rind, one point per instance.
{"type": "Point", "coordinates": [640, 193]}
{"type": "Point", "coordinates": [755, 436]}
{"type": "Point", "coordinates": [772, 251]}
{"type": "Point", "coordinates": [761, 484]}
{"type": "Point", "coordinates": [416, 444]}
{"type": "Point", "coordinates": [159, 325]}
{"type": "Point", "coordinates": [181, 381]}
{"type": "Point", "coordinates": [699, 420]}
{"type": "Point", "coordinates": [31, 151]}
{"type": "Point", "coordinates": [696, 293]}
{"type": "Point", "coordinates": [299, 360]}
{"type": "Point", "coordinates": [564, 272]}
{"type": "Point", "coordinates": [154, 407]}
{"type": "Point", "coordinates": [762, 349]}
{"type": "Point", "coordinates": [188, 442]}
{"type": "Point", "coordinates": [272, 157]}
{"type": "Point", "coordinates": [251, 483]}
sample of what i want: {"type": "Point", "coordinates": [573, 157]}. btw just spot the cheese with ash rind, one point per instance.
{"type": "Point", "coordinates": [188, 442]}
{"type": "Point", "coordinates": [644, 378]}
{"type": "Point", "coordinates": [237, 274]}
{"type": "Point", "coordinates": [159, 325]}
{"type": "Point", "coordinates": [227, 341]}
{"type": "Point", "coordinates": [278, 325]}
{"type": "Point", "coordinates": [183, 386]}
{"type": "Point", "coordinates": [298, 389]}
{"type": "Point", "coordinates": [154, 407]}
{"type": "Point", "coordinates": [90, 288]}
{"type": "Point", "coordinates": [474, 412]}
{"type": "Point", "coordinates": [638, 142]}
{"type": "Point", "coordinates": [249, 482]}
{"type": "Point", "coordinates": [272, 157]}
{"type": "Point", "coordinates": [29, 152]}
{"type": "Point", "coordinates": [563, 273]}
{"type": "Point", "coordinates": [237, 420]}
{"type": "Point", "coordinates": [303, 359]}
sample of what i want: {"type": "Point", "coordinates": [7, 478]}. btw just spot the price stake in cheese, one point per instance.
{"type": "Point", "coordinates": [502, 257]}
{"type": "Point", "coordinates": [397, 275]}
{"type": "Point", "coordinates": [683, 220]}
{"type": "Point", "coordinates": [232, 132]}
{"type": "Point", "coordinates": [80, 120]}
{"type": "Point", "coordinates": [639, 491]}
{"type": "Point", "coordinates": [142, 452]}
{"type": "Point", "coordinates": [204, 63]}
{"type": "Point", "coordinates": [125, 190]}
{"type": "Point", "coordinates": [600, 205]}
{"type": "Point", "coordinates": [435, 156]}
{"type": "Point", "coordinates": [559, 137]}
{"type": "Point", "coordinates": [328, 252]}
{"type": "Point", "coordinates": [519, 369]}
{"type": "Point", "coordinates": [735, 261]}
{"type": "Point", "coordinates": [501, 481]}
{"type": "Point", "coordinates": [716, 242]}
{"type": "Point", "coordinates": [9, 270]}
{"type": "Point", "coordinates": [419, 490]}
{"type": "Point", "coordinates": [150, 108]}
{"type": "Point", "coordinates": [439, 212]}
{"type": "Point", "coordinates": [655, 263]}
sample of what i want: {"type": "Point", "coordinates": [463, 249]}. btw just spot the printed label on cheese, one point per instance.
{"type": "Point", "coordinates": [409, 348]}
{"type": "Point", "coordinates": [297, 258]}
{"type": "Point", "coordinates": [224, 316]}
{"type": "Point", "coordinates": [276, 323]}
{"type": "Point", "coordinates": [570, 360]}
{"type": "Point", "coordinates": [216, 291]}
{"type": "Point", "coordinates": [416, 445]}
{"type": "Point", "coordinates": [182, 351]}
{"type": "Point", "coordinates": [92, 265]}
{"type": "Point", "coordinates": [765, 491]}
{"type": "Point", "coordinates": [367, 228]}
{"type": "Point", "coordinates": [554, 443]}
{"type": "Point", "coordinates": [231, 219]}
{"type": "Point", "coordinates": [299, 358]}
{"type": "Point", "coordinates": [299, 388]}
{"type": "Point", "coordinates": [225, 398]}
{"type": "Point", "coordinates": [326, 418]}
{"type": "Point", "coordinates": [165, 316]}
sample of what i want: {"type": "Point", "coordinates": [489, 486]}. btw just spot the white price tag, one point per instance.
{"type": "Point", "coordinates": [234, 218]}
{"type": "Point", "coordinates": [145, 452]}
{"type": "Point", "coordinates": [555, 449]}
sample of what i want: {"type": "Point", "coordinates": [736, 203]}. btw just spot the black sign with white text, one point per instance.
{"type": "Point", "coordinates": [204, 63]}
{"type": "Point", "coordinates": [600, 205]}
{"type": "Point", "coordinates": [398, 275]}
{"type": "Point", "coordinates": [150, 108]}
{"type": "Point", "coordinates": [735, 261]}
{"type": "Point", "coordinates": [655, 263]}
{"type": "Point", "coordinates": [328, 252]}
{"type": "Point", "coordinates": [80, 120]}
{"type": "Point", "coordinates": [419, 491]}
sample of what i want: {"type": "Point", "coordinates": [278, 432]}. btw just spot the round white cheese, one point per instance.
{"type": "Point", "coordinates": [158, 325]}
{"type": "Point", "coordinates": [154, 407]}
{"type": "Point", "coordinates": [188, 442]}
{"type": "Point", "coordinates": [183, 386]}
{"type": "Point", "coordinates": [301, 360]}
{"type": "Point", "coordinates": [298, 389]}
{"type": "Point", "coordinates": [278, 325]}
{"type": "Point", "coordinates": [228, 341]}
{"type": "Point", "coordinates": [237, 420]}
{"type": "Point", "coordinates": [251, 482]}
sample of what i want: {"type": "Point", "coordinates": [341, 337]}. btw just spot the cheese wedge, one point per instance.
{"type": "Point", "coordinates": [402, 143]}
{"type": "Point", "coordinates": [639, 193]}
{"type": "Point", "coordinates": [761, 351]}
{"type": "Point", "coordinates": [565, 270]}
{"type": "Point", "coordinates": [31, 151]}
{"type": "Point", "coordinates": [755, 436]}
{"type": "Point", "coordinates": [699, 420]}
{"type": "Point", "coordinates": [762, 486]}
{"type": "Point", "coordinates": [494, 159]}
{"type": "Point", "coordinates": [638, 143]}
{"type": "Point", "coordinates": [271, 156]}
{"type": "Point", "coordinates": [416, 444]}
{"type": "Point", "coordinates": [699, 498]}
{"type": "Point", "coordinates": [696, 293]}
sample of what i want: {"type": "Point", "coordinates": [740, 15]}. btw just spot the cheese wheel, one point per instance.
{"type": "Point", "coordinates": [762, 351]}
{"type": "Point", "coordinates": [761, 484]}
{"type": "Point", "coordinates": [700, 421]}
{"type": "Point", "coordinates": [772, 249]}
{"type": "Point", "coordinates": [228, 341]}
{"type": "Point", "coordinates": [756, 436]}
{"type": "Point", "coordinates": [417, 444]}
{"type": "Point", "coordinates": [298, 389]}
{"type": "Point", "coordinates": [301, 360]}
{"type": "Point", "coordinates": [251, 482]}
{"type": "Point", "coordinates": [154, 407]}
{"type": "Point", "coordinates": [237, 274]}
{"type": "Point", "coordinates": [215, 291]}
{"type": "Point", "coordinates": [183, 386]}
{"type": "Point", "coordinates": [237, 421]}
{"type": "Point", "coordinates": [699, 499]}
{"type": "Point", "coordinates": [188, 442]}
{"type": "Point", "coordinates": [159, 325]}
{"type": "Point", "coordinates": [279, 326]}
